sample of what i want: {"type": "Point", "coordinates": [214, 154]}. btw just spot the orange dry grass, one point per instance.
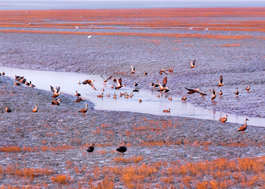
{"type": "Point", "coordinates": [134, 159]}
{"type": "Point", "coordinates": [219, 173]}
{"type": "Point", "coordinates": [61, 179]}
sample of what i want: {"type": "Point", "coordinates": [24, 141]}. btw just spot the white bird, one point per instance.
{"type": "Point", "coordinates": [89, 36]}
{"type": "Point", "coordinates": [190, 28]}
{"type": "Point", "coordinates": [77, 27]}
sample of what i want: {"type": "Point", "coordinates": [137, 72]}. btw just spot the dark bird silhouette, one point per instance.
{"type": "Point", "coordinates": [91, 148]}
{"type": "Point", "coordinates": [122, 149]}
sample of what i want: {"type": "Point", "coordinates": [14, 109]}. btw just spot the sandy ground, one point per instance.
{"type": "Point", "coordinates": [112, 55]}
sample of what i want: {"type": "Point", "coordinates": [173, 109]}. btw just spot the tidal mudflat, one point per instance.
{"type": "Point", "coordinates": [48, 148]}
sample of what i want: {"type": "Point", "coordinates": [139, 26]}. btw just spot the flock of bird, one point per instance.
{"type": "Point", "coordinates": [160, 87]}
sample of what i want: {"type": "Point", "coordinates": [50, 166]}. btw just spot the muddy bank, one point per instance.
{"type": "Point", "coordinates": [112, 55]}
{"type": "Point", "coordinates": [55, 136]}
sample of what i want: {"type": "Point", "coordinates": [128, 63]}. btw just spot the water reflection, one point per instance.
{"type": "Point", "coordinates": [68, 82]}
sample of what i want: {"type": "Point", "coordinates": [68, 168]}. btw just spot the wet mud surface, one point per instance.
{"type": "Point", "coordinates": [55, 136]}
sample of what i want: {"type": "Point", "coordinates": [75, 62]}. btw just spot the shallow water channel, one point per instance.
{"type": "Point", "coordinates": [151, 104]}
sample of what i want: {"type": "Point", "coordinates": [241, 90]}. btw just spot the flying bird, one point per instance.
{"type": "Point", "coordinates": [105, 80]}
{"type": "Point", "coordinates": [133, 70]}
{"type": "Point", "coordinates": [89, 82]}
{"type": "Point", "coordinates": [163, 87]}
{"type": "Point", "coordinates": [119, 84]}
{"type": "Point", "coordinates": [56, 102]}
{"type": "Point", "coordinates": [192, 64]}
{"type": "Point", "coordinates": [220, 81]}
{"type": "Point", "coordinates": [213, 94]}
{"type": "Point", "coordinates": [162, 71]}
{"type": "Point", "coordinates": [191, 91]}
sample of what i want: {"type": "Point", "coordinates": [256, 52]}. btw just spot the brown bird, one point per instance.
{"type": "Point", "coordinates": [163, 87]}
{"type": "Point", "coordinates": [7, 109]}
{"type": "Point", "coordinates": [100, 96]}
{"type": "Point", "coordinates": [223, 119]}
{"type": "Point", "coordinates": [220, 81]}
{"type": "Point", "coordinates": [15, 83]}
{"type": "Point", "coordinates": [3, 73]}
{"type": "Point", "coordinates": [191, 91]}
{"type": "Point", "coordinates": [133, 69]}
{"type": "Point", "coordinates": [91, 148]}
{"type": "Point", "coordinates": [220, 93]}
{"type": "Point", "coordinates": [56, 102]}
{"type": "Point", "coordinates": [192, 64]}
{"type": "Point", "coordinates": [184, 98]}
{"type": "Point", "coordinates": [145, 73]}
{"type": "Point", "coordinates": [244, 127]}
{"type": "Point", "coordinates": [88, 81]}
{"type": "Point", "coordinates": [140, 100]}
{"type": "Point", "coordinates": [248, 88]}
{"type": "Point", "coordinates": [55, 95]}
{"type": "Point", "coordinates": [170, 69]}
{"type": "Point", "coordinates": [79, 99]}
{"type": "Point", "coordinates": [236, 93]}
{"type": "Point", "coordinates": [84, 110]}
{"type": "Point", "coordinates": [35, 109]}
{"type": "Point", "coordinates": [162, 71]}
{"type": "Point", "coordinates": [55, 90]}
{"type": "Point", "coordinates": [170, 98]}
{"type": "Point", "coordinates": [119, 84]}
{"type": "Point", "coordinates": [213, 94]}
{"type": "Point", "coordinates": [167, 111]}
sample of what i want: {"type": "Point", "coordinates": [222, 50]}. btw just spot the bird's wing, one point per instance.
{"type": "Point", "coordinates": [221, 79]}
{"type": "Point", "coordinates": [160, 86]}
{"type": "Point", "coordinates": [213, 92]}
{"type": "Point", "coordinates": [191, 63]}
{"type": "Point", "coordinates": [92, 85]}
{"type": "Point", "coordinates": [52, 88]}
{"type": "Point", "coordinates": [194, 62]}
{"type": "Point", "coordinates": [120, 81]}
{"type": "Point", "coordinates": [58, 89]}
{"type": "Point", "coordinates": [164, 81]}
{"type": "Point", "coordinates": [190, 89]}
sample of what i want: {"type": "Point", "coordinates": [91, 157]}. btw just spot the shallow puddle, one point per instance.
{"type": "Point", "coordinates": [151, 104]}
